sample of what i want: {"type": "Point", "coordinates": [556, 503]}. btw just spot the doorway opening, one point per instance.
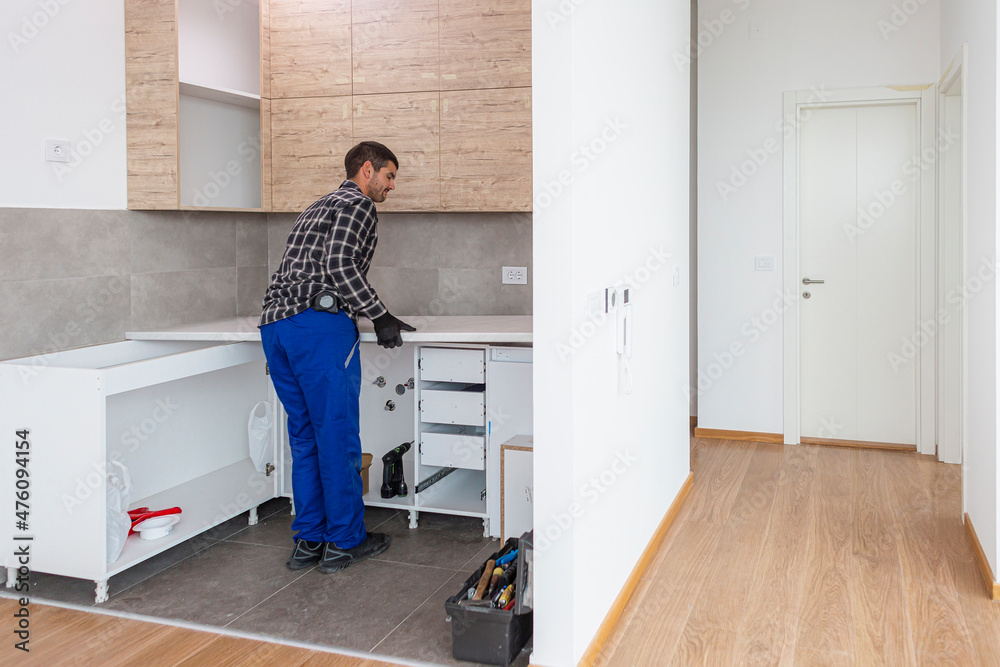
{"type": "Point", "coordinates": [860, 249]}
{"type": "Point", "coordinates": [952, 293]}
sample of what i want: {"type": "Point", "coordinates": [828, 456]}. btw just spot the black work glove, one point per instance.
{"type": "Point", "coordinates": [387, 330]}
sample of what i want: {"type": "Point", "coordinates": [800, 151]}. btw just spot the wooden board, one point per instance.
{"type": "Point", "coordinates": [395, 46]}
{"type": "Point", "coordinates": [309, 139]}
{"type": "Point", "coordinates": [486, 150]}
{"type": "Point", "coordinates": [310, 49]}
{"type": "Point", "coordinates": [485, 44]}
{"type": "Point", "coordinates": [152, 107]}
{"type": "Point", "coordinates": [265, 50]}
{"type": "Point", "coordinates": [409, 124]}
{"type": "Point", "coordinates": [265, 153]}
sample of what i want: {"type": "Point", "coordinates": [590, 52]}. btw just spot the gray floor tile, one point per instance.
{"type": "Point", "coordinates": [273, 531]}
{"type": "Point", "coordinates": [376, 516]}
{"type": "Point", "coordinates": [426, 634]}
{"type": "Point", "coordinates": [213, 587]}
{"type": "Point", "coordinates": [354, 608]}
{"type": "Point", "coordinates": [276, 529]}
{"type": "Point", "coordinates": [440, 540]}
{"type": "Point", "coordinates": [476, 561]}
{"type": "Point", "coordinates": [81, 591]}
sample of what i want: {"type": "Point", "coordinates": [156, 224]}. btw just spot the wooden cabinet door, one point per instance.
{"type": "Point", "coordinates": [309, 139]}
{"type": "Point", "coordinates": [151, 104]}
{"type": "Point", "coordinates": [485, 44]}
{"type": "Point", "coordinates": [409, 124]}
{"type": "Point", "coordinates": [395, 46]}
{"type": "Point", "coordinates": [310, 48]}
{"type": "Point", "coordinates": [486, 150]}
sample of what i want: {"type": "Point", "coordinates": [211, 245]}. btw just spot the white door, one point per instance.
{"type": "Point", "coordinates": [858, 199]}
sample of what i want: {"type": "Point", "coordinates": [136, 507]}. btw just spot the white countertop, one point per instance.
{"type": "Point", "coordinates": [430, 329]}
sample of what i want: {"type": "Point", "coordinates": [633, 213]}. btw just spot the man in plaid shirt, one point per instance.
{"type": "Point", "coordinates": [309, 331]}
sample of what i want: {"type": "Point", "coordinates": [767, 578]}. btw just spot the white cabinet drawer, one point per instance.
{"type": "Point", "coordinates": [453, 407]}
{"type": "Point", "coordinates": [450, 450]}
{"type": "Point", "coordinates": [442, 364]}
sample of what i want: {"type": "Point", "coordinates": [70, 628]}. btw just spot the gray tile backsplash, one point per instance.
{"type": "Point", "coordinates": [441, 263]}
{"type": "Point", "coordinates": [172, 241]}
{"type": "Point", "coordinates": [251, 281]}
{"type": "Point", "coordinates": [51, 315]}
{"type": "Point", "coordinates": [174, 297]}
{"type": "Point", "coordinates": [251, 242]}
{"type": "Point", "coordinates": [83, 277]}
{"type": "Point", "coordinates": [41, 244]}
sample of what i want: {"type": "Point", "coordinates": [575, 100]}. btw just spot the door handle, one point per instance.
{"type": "Point", "coordinates": [810, 281]}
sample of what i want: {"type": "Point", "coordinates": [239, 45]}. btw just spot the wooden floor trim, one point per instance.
{"type": "Point", "coordinates": [608, 625]}
{"type": "Point", "coordinates": [992, 585]}
{"type": "Point", "coordinates": [746, 436]}
{"type": "Point", "coordinates": [861, 444]}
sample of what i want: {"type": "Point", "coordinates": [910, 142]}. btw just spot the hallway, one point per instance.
{"type": "Point", "coordinates": [812, 555]}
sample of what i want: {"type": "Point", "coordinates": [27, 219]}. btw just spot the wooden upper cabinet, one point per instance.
{"type": "Point", "coordinates": [486, 150]}
{"type": "Point", "coordinates": [151, 104]}
{"type": "Point", "coordinates": [309, 139]}
{"type": "Point", "coordinates": [395, 46]}
{"type": "Point", "coordinates": [310, 48]}
{"type": "Point", "coordinates": [408, 123]}
{"type": "Point", "coordinates": [485, 44]}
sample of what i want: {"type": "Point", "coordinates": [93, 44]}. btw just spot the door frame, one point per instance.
{"type": "Point", "coordinates": [954, 74]}
{"type": "Point", "coordinates": [794, 104]}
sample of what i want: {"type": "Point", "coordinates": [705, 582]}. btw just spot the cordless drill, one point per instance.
{"type": "Point", "coordinates": [393, 483]}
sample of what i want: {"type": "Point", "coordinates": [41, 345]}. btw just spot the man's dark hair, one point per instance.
{"type": "Point", "coordinates": [368, 151]}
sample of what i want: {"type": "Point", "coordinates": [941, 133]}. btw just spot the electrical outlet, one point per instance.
{"type": "Point", "coordinates": [57, 150]}
{"type": "Point", "coordinates": [515, 275]}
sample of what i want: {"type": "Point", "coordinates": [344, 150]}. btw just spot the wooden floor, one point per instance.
{"type": "Point", "coordinates": [812, 555]}
{"type": "Point", "coordinates": [803, 555]}
{"type": "Point", "coordinates": [61, 636]}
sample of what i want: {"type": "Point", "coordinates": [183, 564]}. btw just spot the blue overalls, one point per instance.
{"type": "Point", "coordinates": [316, 371]}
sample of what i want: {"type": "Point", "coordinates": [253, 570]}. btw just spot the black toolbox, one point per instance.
{"type": "Point", "coordinates": [484, 634]}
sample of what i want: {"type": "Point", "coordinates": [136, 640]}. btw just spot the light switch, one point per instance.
{"type": "Point", "coordinates": [764, 263]}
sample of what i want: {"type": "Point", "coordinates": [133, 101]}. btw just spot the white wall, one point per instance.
{"type": "Point", "coordinates": [62, 63]}
{"type": "Point", "coordinates": [975, 22]}
{"type": "Point", "coordinates": [613, 463]}
{"type": "Point", "coordinates": [807, 45]}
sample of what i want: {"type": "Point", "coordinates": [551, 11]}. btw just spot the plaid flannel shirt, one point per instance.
{"type": "Point", "coordinates": [329, 248]}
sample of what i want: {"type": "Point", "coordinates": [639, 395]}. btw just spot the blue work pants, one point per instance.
{"type": "Point", "coordinates": [316, 371]}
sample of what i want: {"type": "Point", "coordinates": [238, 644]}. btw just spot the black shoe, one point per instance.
{"type": "Point", "coordinates": [335, 559]}
{"type": "Point", "coordinates": [306, 554]}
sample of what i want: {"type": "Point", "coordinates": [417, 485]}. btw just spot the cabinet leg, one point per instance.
{"type": "Point", "coordinates": [414, 514]}
{"type": "Point", "coordinates": [11, 576]}
{"type": "Point", "coordinates": [486, 527]}
{"type": "Point", "coordinates": [291, 501]}
{"type": "Point", "coordinates": [253, 516]}
{"type": "Point", "coordinates": [101, 595]}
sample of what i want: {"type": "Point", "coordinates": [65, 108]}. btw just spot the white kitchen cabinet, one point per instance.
{"type": "Point", "coordinates": [517, 502]}
{"type": "Point", "coordinates": [455, 404]}
{"type": "Point", "coordinates": [173, 412]}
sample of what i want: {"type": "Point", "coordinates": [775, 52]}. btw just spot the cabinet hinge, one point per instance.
{"type": "Point", "coordinates": [420, 405]}
{"type": "Point", "coordinates": [420, 362]}
{"type": "Point", "coordinates": [482, 496]}
{"type": "Point", "coordinates": [268, 469]}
